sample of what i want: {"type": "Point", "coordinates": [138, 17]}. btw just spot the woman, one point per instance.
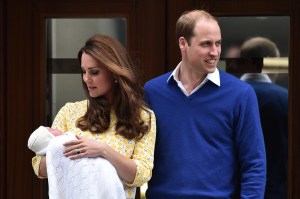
{"type": "Point", "coordinates": [114, 122]}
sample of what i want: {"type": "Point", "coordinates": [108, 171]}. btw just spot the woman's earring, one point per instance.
{"type": "Point", "coordinates": [116, 81]}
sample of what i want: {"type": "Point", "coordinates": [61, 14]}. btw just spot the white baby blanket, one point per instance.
{"type": "Point", "coordinates": [85, 178]}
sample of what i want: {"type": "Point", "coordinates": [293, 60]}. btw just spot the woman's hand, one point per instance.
{"type": "Point", "coordinates": [83, 148]}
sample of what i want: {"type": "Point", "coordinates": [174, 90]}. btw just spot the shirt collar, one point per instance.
{"type": "Point", "coordinates": [213, 77]}
{"type": "Point", "coordinates": [257, 77]}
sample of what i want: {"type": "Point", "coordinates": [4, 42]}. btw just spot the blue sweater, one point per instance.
{"type": "Point", "coordinates": [273, 106]}
{"type": "Point", "coordinates": [210, 144]}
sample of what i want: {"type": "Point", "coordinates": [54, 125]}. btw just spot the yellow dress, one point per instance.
{"type": "Point", "coordinates": [141, 151]}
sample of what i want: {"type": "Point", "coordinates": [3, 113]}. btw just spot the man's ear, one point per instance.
{"type": "Point", "coordinates": [182, 43]}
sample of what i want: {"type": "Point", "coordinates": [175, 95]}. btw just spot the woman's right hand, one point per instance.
{"type": "Point", "coordinates": [43, 167]}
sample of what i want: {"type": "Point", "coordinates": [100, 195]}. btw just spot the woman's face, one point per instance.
{"type": "Point", "coordinates": [98, 79]}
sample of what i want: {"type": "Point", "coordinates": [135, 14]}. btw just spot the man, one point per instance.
{"type": "Point", "coordinates": [273, 106]}
{"type": "Point", "coordinates": [209, 138]}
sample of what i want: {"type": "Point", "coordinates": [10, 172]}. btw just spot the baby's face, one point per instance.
{"type": "Point", "coordinates": [55, 132]}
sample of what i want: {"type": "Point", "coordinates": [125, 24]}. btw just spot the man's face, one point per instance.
{"type": "Point", "coordinates": [204, 50]}
{"type": "Point", "coordinates": [244, 65]}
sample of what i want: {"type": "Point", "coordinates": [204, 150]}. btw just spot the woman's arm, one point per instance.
{"type": "Point", "coordinates": [43, 167]}
{"type": "Point", "coordinates": [126, 167]}
{"type": "Point", "coordinates": [36, 162]}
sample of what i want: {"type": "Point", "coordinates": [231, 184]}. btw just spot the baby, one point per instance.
{"type": "Point", "coordinates": [81, 178]}
{"type": "Point", "coordinates": [40, 139]}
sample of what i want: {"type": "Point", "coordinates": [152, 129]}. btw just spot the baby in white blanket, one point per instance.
{"type": "Point", "coordinates": [85, 178]}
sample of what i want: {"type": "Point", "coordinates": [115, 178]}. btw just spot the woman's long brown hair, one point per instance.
{"type": "Point", "coordinates": [128, 92]}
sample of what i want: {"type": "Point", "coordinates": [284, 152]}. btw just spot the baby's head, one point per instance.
{"type": "Point", "coordinates": [40, 138]}
{"type": "Point", "coordinates": [54, 132]}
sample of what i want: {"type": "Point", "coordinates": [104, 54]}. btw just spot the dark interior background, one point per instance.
{"type": "Point", "coordinates": [150, 33]}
